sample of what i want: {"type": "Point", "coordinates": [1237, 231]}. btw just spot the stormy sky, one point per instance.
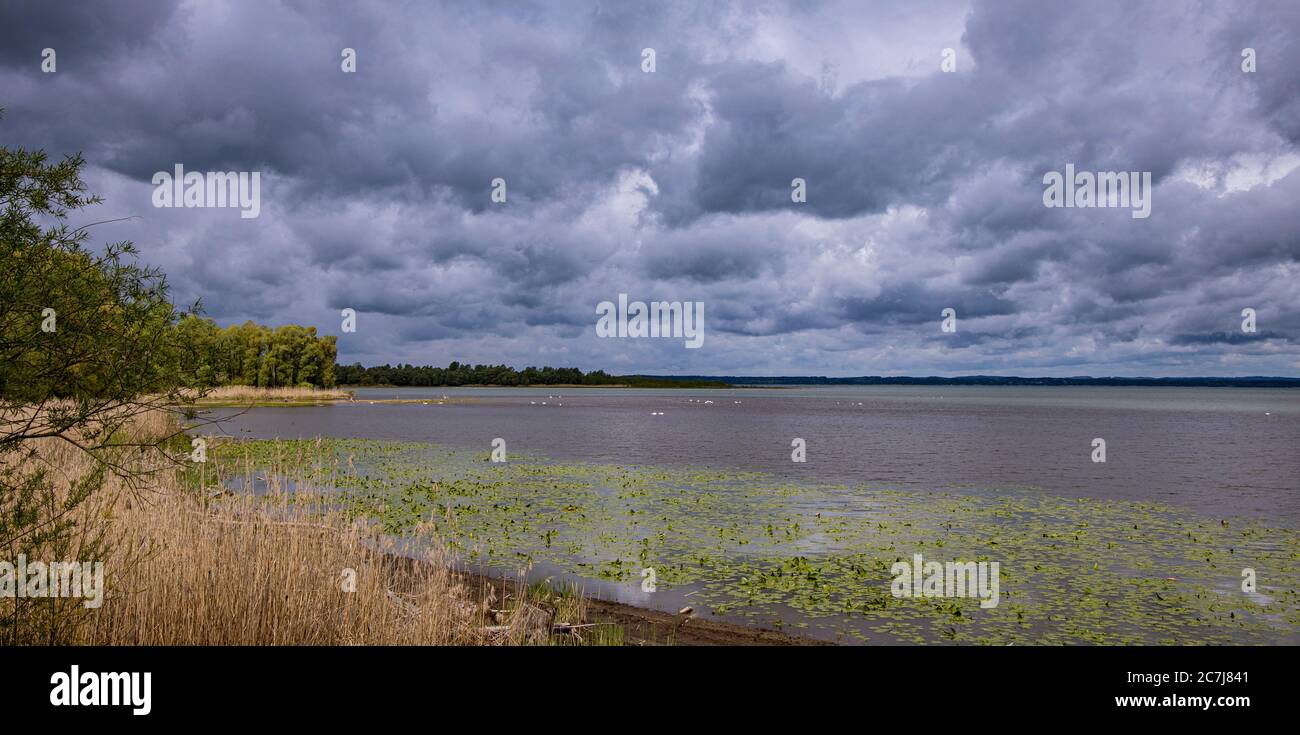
{"type": "Point", "coordinates": [924, 187]}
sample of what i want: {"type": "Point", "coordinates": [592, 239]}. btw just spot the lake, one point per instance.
{"type": "Point", "coordinates": [953, 472]}
{"type": "Point", "coordinates": [1217, 451]}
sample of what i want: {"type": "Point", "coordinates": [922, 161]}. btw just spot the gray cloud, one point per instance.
{"type": "Point", "coordinates": [924, 187]}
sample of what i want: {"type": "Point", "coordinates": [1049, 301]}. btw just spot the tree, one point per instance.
{"type": "Point", "coordinates": [88, 341]}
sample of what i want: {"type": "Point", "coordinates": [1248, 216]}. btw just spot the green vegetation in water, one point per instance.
{"type": "Point", "coordinates": [753, 545]}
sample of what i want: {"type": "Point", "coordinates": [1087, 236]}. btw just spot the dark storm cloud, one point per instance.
{"type": "Point", "coordinates": [1277, 49]}
{"type": "Point", "coordinates": [1222, 338]}
{"type": "Point", "coordinates": [924, 188]}
{"type": "Point", "coordinates": [83, 34]}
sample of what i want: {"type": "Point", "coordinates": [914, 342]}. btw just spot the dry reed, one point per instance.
{"type": "Point", "coordinates": [188, 564]}
{"type": "Point", "coordinates": [252, 394]}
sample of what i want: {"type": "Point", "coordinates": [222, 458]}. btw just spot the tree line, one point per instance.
{"type": "Point", "coordinates": [208, 356]}
{"type": "Point", "coordinates": [254, 354]}
{"type": "Point", "coordinates": [465, 374]}
{"type": "Point", "coordinates": [292, 355]}
{"type": "Point", "coordinates": [457, 373]}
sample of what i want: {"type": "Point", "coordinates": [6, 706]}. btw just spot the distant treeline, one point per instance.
{"type": "Point", "coordinates": [293, 355]}
{"type": "Point", "coordinates": [1242, 382]}
{"type": "Point", "coordinates": [253, 354]}
{"type": "Point", "coordinates": [465, 374]}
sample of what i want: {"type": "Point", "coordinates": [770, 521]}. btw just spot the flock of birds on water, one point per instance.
{"type": "Point", "coordinates": [652, 413]}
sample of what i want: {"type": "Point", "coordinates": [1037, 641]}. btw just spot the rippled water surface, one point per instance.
{"type": "Point", "coordinates": [1216, 451]}
{"type": "Point", "coordinates": [1199, 488]}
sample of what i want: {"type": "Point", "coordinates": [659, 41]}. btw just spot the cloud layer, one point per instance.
{"type": "Point", "coordinates": [924, 188]}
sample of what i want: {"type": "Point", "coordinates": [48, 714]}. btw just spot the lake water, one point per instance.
{"type": "Point", "coordinates": [1200, 487]}
{"type": "Point", "coordinates": [1216, 451]}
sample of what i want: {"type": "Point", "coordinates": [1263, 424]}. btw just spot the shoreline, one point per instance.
{"type": "Point", "coordinates": [667, 385]}
{"type": "Point", "coordinates": [641, 626]}
{"type": "Point", "coordinates": [329, 395]}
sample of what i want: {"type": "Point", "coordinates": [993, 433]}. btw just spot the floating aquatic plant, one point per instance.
{"type": "Point", "coordinates": [818, 557]}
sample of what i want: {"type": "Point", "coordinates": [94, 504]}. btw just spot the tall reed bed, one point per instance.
{"type": "Point", "coordinates": [188, 563]}
{"type": "Point", "coordinates": [253, 394]}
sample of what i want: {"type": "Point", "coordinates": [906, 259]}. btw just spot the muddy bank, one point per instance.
{"type": "Point", "coordinates": [647, 627]}
{"type": "Point", "coordinates": [641, 626]}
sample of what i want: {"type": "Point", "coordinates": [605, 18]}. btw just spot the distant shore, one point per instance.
{"type": "Point", "coordinates": [247, 396]}
{"type": "Point", "coordinates": [244, 396]}
{"type": "Point", "coordinates": [660, 383]}
{"type": "Point", "coordinates": [1251, 381]}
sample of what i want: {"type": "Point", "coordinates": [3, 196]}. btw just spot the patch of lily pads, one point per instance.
{"type": "Point", "coordinates": [816, 557]}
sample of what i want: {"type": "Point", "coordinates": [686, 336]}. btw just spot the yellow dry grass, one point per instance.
{"type": "Point", "coordinates": [188, 566]}
{"type": "Point", "coordinates": [252, 394]}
